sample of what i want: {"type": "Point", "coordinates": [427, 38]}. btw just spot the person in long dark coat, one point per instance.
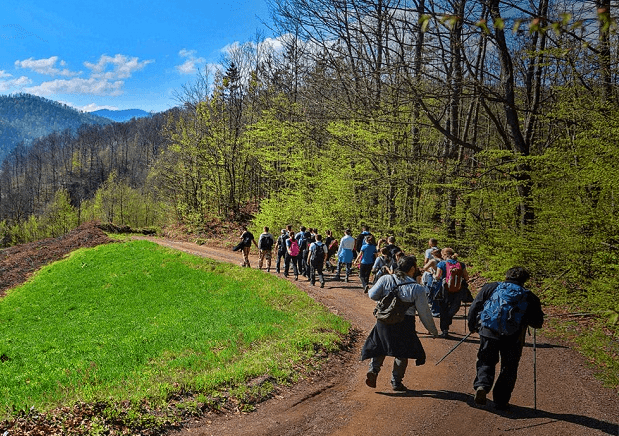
{"type": "Point", "coordinates": [398, 340]}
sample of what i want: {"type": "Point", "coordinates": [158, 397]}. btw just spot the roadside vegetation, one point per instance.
{"type": "Point", "coordinates": [141, 335]}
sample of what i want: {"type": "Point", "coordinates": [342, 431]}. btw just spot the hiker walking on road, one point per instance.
{"type": "Point", "coordinates": [345, 254]}
{"type": "Point", "coordinates": [265, 244]}
{"type": "Point", "coordinates": [280, 249]}
{"type": "Point", "coordinates": [247, 238]}
{"type": "Point", "coordinates": [366, 257]}
{"type": "Point", "coordinates": [316, 259]}
{"type": "Point", "coordinates": [501, 313]}
{"type": "Point", "coordinates": [292, 254]}
{"type": "Point", "coordinates": [398, 340]}
{"type": "Point", "coordinates": [454, 287]}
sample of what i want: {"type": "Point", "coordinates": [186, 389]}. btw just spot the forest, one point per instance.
{"type": "Point", "coordinates": [25, 117]}
{"type": "Point", "coordinates": [491, 125]}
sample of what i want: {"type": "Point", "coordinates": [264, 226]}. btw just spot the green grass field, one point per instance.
{"type": "Point", "coordinates": [134, 321]}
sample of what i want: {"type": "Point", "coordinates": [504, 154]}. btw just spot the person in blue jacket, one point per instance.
{"type": "Point", "coordinates": [500, 341]}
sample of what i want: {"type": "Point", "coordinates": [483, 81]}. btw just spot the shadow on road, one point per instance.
{"type": "Point", "coordinates": [514, 412]}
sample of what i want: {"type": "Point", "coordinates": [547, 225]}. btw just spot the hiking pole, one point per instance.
{"type": "Point", "coordinates": [455, 346]}
{"type": "Point", "coordinates": [535, 369]}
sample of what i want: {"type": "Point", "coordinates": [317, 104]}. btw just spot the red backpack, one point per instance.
{"type": "Point", "coordinates": [454, 276]}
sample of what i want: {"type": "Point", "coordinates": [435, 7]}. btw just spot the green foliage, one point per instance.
{"type": "Point", "coordinates": [136, 322]}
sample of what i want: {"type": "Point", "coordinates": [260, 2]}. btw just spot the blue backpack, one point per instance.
{"type": "Point", "coordinates": [503, 311]}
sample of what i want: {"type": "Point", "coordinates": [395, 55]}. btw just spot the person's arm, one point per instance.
{"type": "Point", "coordinates": [309, 253]}
{"type": "Point", "coordinates": [254, 241]}
{"type": "Point", "coordinates": [378, 291]}
{"type": "Point", "coordinates": [534, 314]}
{"type": "Point", "coordinates": [438, 274]}
{"type": "Point", "coordinates": [423, 310]}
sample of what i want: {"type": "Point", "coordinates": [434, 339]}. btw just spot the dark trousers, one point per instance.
{"type": "Point", "coordinates": [316, 270]}
{"type": "Point", "coordinates": [509, 350]}
{"type": "Point", "coordinates": [448, 307]}
{"type": "Point", "coordinates": [280, 256]}
{"type": "Point", "coordinates": [365, 269]}
{"type": "Point", "coordinates": [290, 260]}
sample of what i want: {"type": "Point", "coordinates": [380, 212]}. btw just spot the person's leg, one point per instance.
{"type": "Point", "coordinates": [261, 259]}
{"type": "Point", "coordinates": [321, 275]}
{"type": "Point", "coordinates": [267, 255]}
{"type": "Point", "coordinates": [511, 352]}
{"type": "Point", "coordinates": [348, 270]}
{"type": "Point", "coordinates": [397, 375]}
{"type": "Point", "coordinates": [246, 256]}
{"type": "Point", "coordinates": [487, 358]}
{"type": "Point", "coordinates": [295, 261]}
{"type": "Point", "coordinates": [373, 370]}
{"type": "Point", "coordinates": [287, 261]}
{"type": "Point", "coordinates": [338, 271]}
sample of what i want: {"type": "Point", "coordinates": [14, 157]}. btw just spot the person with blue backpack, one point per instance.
{"type": "Point", "coordinates": [501, 313]}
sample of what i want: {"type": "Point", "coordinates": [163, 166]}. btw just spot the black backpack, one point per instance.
{"type": "Point", "coordinates": [318, 254]}
{"type": "Point", "coordinates": [266, 243]}
{"type": "Point", "coordinates": [390, 309]}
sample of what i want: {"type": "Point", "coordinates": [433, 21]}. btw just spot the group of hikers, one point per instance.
{"type": "Point", "coordinates": [500, 313]}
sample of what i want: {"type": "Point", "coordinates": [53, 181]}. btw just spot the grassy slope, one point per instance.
{"type": "Point", "coordinates": [132, 321]}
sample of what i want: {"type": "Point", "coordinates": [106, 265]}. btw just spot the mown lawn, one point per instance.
{"type": "Point", "coordinates": [136, 322]}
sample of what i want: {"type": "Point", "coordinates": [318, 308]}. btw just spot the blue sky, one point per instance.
{"type": "Point", "coordinates": [118, 54]}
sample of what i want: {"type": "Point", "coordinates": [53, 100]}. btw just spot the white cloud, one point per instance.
{"type": "Point", "coordinates": [7, 85]}
{"type": "Point", "coordinates": [46, 66]}
{"type": "Point", "coordinates": [90, 107]}
{"type": "Point", "coordinates": [107, 76]}
{"type": "Point", "coordinates": [92, 86]}
{"type": "Point", "coordinates": [190, 66]}
{"type": "Point", "coordinates": [4, 74]}
{"type": "Point", "coordinates": [122, 67]}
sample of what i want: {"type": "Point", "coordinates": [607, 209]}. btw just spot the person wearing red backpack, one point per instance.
{"type": "Point", "coordinates": [455, 276]}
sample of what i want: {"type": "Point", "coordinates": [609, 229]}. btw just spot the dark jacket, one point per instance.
{"type": "Point", "coordinates": [534, 316]}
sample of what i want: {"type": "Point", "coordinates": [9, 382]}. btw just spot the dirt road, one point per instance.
{"type": "Point", "coordinates": [570, 401]}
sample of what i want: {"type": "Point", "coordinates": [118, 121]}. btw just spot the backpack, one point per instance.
{"type": "Point", "coordinates": [453, 276]}
{"type": "Point", "coordinates": [503, 311]}
{"type": "Point", "coordinates": [266, 243]}
{"type": "Point", "coordinates": [294, 248]}
{"type": "Point", "coordinates": [390, 309]}
{"type": "Point", "coordinates": [318, 254]}
{"type": "Point", "coordinates": [281, 244]}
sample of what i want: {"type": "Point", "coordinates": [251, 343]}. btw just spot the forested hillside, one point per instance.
{"type": "Point", "coordinates": [492, 125]}
{"type": "Point", "coordinates": [120, 115]}
{"type": "Point", "coordinates": [24, 117]}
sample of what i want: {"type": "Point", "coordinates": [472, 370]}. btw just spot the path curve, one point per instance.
{"type": "Point", "coordinates": [570, 400]}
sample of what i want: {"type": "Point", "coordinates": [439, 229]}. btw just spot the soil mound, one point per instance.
{"type": "Point", "coordinates": [17, 263]}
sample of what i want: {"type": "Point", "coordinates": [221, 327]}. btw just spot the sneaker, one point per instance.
{"type": "Point", "coordinates": [313, 283]}
{"type": "Point", "coordinates": [398, 387]}
{"type": "Point", "coordinates": [444, 334]}
{"type": "Point", "coordinates": [480, 396]}
{"type": "Point", "coordinates": [366, 289]}
{"type": "Point", "coordinates": [322, 284]}
{"type": "Point", "coordinates": [370, 379]}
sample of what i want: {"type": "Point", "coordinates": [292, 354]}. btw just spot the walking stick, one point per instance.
{"type": "Point", "coordinates": [455, 346]}
{"type": "Point", "coordinates": [535, 369]}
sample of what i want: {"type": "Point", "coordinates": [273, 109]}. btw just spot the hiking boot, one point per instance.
{"type": "Point", "coordinates": [370, 379]}
{"type": "Point", "coordinates": [322, 284]}
{"type": "Point", "coordinates": [366, 289]}
{"type": "Point", "coordinates": [313, 283]}
{"type": "Point", "coordinates": [480, 396]}
{"type": "Point", "coordinates": [444, 334]}
{"type": "Point", "coordinates": [398, 387]}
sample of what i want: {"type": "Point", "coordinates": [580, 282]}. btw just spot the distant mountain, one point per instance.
{"type": "Point", "coordinates": [25, 117]}
{"type": "Point", "coordinates": [121, 116]}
